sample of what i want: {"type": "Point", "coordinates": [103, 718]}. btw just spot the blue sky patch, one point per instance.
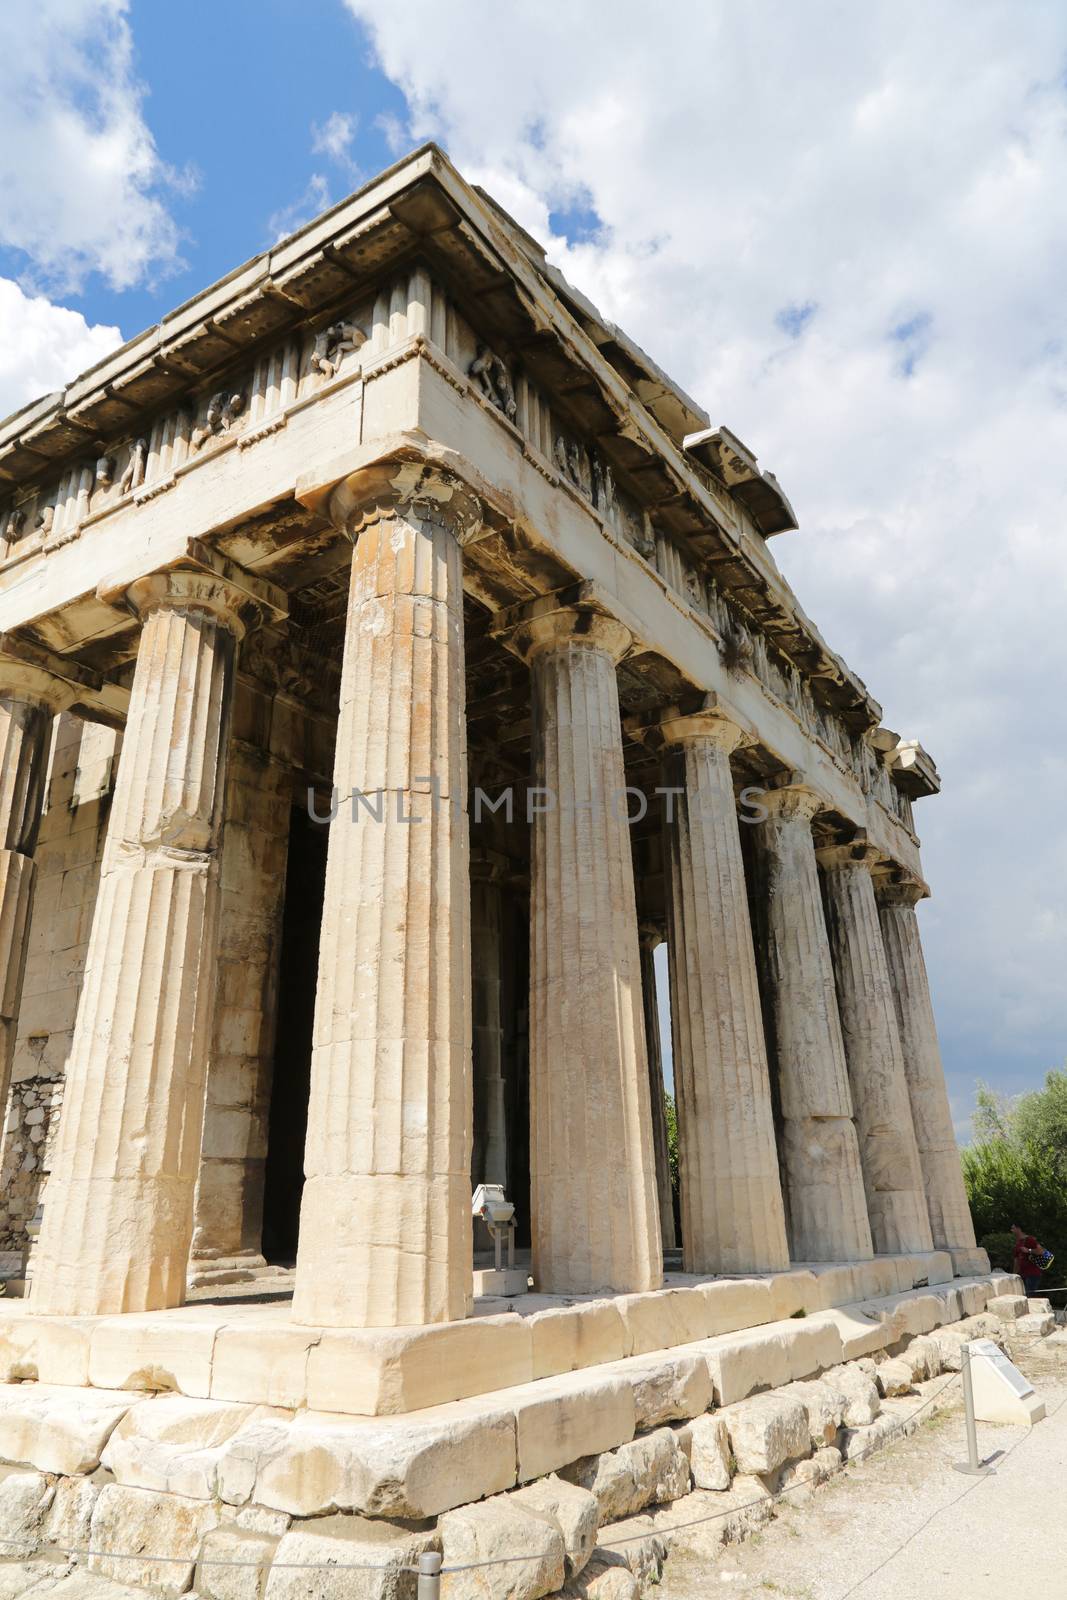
{"type": "Point", "coordinates": [914, 335]}
{"type": "Point", "coordinates": [793, 319]}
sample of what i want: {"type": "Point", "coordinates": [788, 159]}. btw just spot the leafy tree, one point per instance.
{"type": "Point", "coordinates": [1040, 1119]}
{"type": "Point", "coordinates": [1012, 1179]}
{"type": "Point", "coordinates": [672, 1138]}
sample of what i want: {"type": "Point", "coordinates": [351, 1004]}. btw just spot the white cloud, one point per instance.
{"type": "Point", "coordinates": [80, 176]}
{"type": "Point", "coordinates": [333, 138]}
{"type": "Point", "coordinates": [901, 169]}
{"type": "Point", "coordinates": [42, 346]}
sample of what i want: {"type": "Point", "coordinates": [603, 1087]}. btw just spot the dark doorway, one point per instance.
{"type": "Point", "coordinates": [305, 881]}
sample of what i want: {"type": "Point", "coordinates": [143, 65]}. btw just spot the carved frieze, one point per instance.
{"type": "Point", "coordinates": [491, 373]}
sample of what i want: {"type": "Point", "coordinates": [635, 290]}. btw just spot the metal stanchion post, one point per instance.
{"type": "Point", "coordinates": [972, 1466]}
{"type": "Point", "coordinates": [429, 1586]}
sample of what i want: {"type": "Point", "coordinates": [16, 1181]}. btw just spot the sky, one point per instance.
{"type": "Point", "coordinates": [842, 228]}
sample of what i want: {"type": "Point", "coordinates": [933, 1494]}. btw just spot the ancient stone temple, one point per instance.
{"type": "Point", "coordinates": [392, 657]}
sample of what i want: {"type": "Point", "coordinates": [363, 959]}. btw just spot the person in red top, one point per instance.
{"type": "Point", "coordinates": [1028, 1254]}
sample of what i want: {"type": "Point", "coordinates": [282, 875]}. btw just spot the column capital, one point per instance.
{"type": "Point", "coordinates": [36, 676]}
{"type": "Point", "coordinates": [649, 935]}
{"type": "Point", "coordinates": [419, 488]}
{"type": "Point", "coordinates": [857, 853]}
{"type": "Point", "coordinates": [791, 801]}
{"type": "Point", "coordinates": [699, 716]}
{"type": "Point", "coordinates": [204, 580]}
{"type": "Point", "coordinates": [575, 616]}
{"type": "Point", "coordinates": [898, 888]}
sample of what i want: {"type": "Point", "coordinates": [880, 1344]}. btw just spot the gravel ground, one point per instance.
{"type": "Point", "coordinates": [905, 1526]}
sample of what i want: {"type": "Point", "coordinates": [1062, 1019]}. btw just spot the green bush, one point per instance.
{"type": "Point", "coordinates": [1011, 1180]}
{"type": "Point", "coordinates": [1000, 1248]}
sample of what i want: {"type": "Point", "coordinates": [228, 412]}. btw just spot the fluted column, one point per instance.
{"type": "Point", "coordinates": [593, 1178]}
{"type": "Point", "coordinates": [733, 1219]}
{"type": "Point", "coordinates": [490, 1163]}
{"type": "Point", "coordinates": [820, 1151]}
{"type": "Point", "coordinates": [650, 938]}
{"type": "Point", "coordinates": [896, 1202]}
{"type": "Point", "coordinates": [118, 1209]}
{"type": "Point", "coordinates": [29, 699]}
{"type": "Point", "coordinates": [939, 1156]}
{"type": "Point", "coordinates": [385, 1224]}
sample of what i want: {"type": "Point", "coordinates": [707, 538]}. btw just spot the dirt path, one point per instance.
{"type": "Point", "coordinates": [905, 1526]}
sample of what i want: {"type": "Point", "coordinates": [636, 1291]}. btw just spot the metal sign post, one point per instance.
{"type": "Point", "coordinates": [429, 1580]}
{"type": "Point", "coordinates": [973, 1467]}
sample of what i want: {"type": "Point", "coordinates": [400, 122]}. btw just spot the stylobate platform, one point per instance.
{"type": "Point", "coordinates": [255, 1352]}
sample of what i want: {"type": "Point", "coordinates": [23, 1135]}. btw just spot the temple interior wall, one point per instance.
{"type": "Point", "coordinates": [82, 762]}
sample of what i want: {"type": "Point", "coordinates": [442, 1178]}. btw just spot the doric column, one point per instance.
{"type": "Point", "coordinates": [650, 938]}
{"type": "Point", "coordinates": [385, 1224]}
{"type": "Point", "coordinates": [490, 1162]}
{"type": "Point", "coordinates": [733, 1219]}
{"type": "Point", "coordinates": [939, 1157]}
{"type": "Point", "coordinates": [593, 1179]}
{"type": "Point", "coordinates": [820, 1151]}
{"type": "Point", "coordinates": [118, 1209]}
{"type": "Point", "coordinates": [896, 1203]}
{"type": "Point", "coordinates": [30, 698]}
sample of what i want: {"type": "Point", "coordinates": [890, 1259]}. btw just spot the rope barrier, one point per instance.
{"type": "Point", "coordinates": [473, 1566]}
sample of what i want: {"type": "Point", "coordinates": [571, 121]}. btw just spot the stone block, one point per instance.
{"type": "Point", "coordinates": [567, 1338]}
{"type": "Point", "coordinates": [560, 1419]}
{"type": "Point", "coordinates": [174, 1444]}
{"type": "Point", "coordinates": [798, 1478]}
{"type": "Point", "coordinates": [860, 1334]}
{"type": "Point", "coordinates": [637, 1544]}
{"type": "Point", "coordinates": [24, 1495]}
{"type": "Point", "coordinates": [739, 1511]}
{"type": "Point", "coordinates": [839, 1285]}
{"type": "Point", "coordinates": [157, 1351]}
{"type": "Point", "coordinates": [1007, 1307]}
{"type": "Point", "coordinates": [382, 1372]}
{"type": "Point", "coordinates": [45, 1349]}
{"type": "Point", "coordinates": [574, 1508]}
{"type": "Point", "coordinates": [419, 1467]}
{"type": "Point", "coordinates": [58, 1429]}
{"type": "Point", "coordinates": [710, 1457]}
{"type": "Point", "coordinates": [348, 1558]}
{"type": "Point", "coordinates": [923, 1356]}
{"type": "Point", "coordinates": [82, 1585]}
{"type": "Point", "coordinates": [769, 1357]}
{"type": "Point", "coordinates": [663, 1318]}
{"type": "Point", "coordinates": [824, 1405]}
{"type": "Point", "coordinates": [741, 1363]}
{"type": "Point", "coordinates": [969, 1263]}
{"type": "Point", "coordinates": [895, 1377]}
{"type": "Point", "coordinates": [497, 1531]}
{"type": "Point", "coordinates": [972, 1297]}
{"type": "Point", "coordinates": [732, 1304]}
{"type": "Point", "coordinates": [766, 1431]}
{"type": "Point", "coordinates": [146, 1525]}
{"type": "Point", "coordinates": [906, 1314]}
{"type": "Point", "coordinates": [648, 1471]}
{"type": "Point", "coordinates": [233, 1564]}
{"type": "Point", "coordinates": [669, 1388]}
{"type": "Point", "coordinates": [791, 1292]}
{"type": "Point", "coordinates": [603, 1580]}
{"type": "Point", "coordinates": [1035, 1325]}
{"type": "Point", "coordinates": [263, 1364]}
{"type": "Point", "coordinates": [66, 1523]}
